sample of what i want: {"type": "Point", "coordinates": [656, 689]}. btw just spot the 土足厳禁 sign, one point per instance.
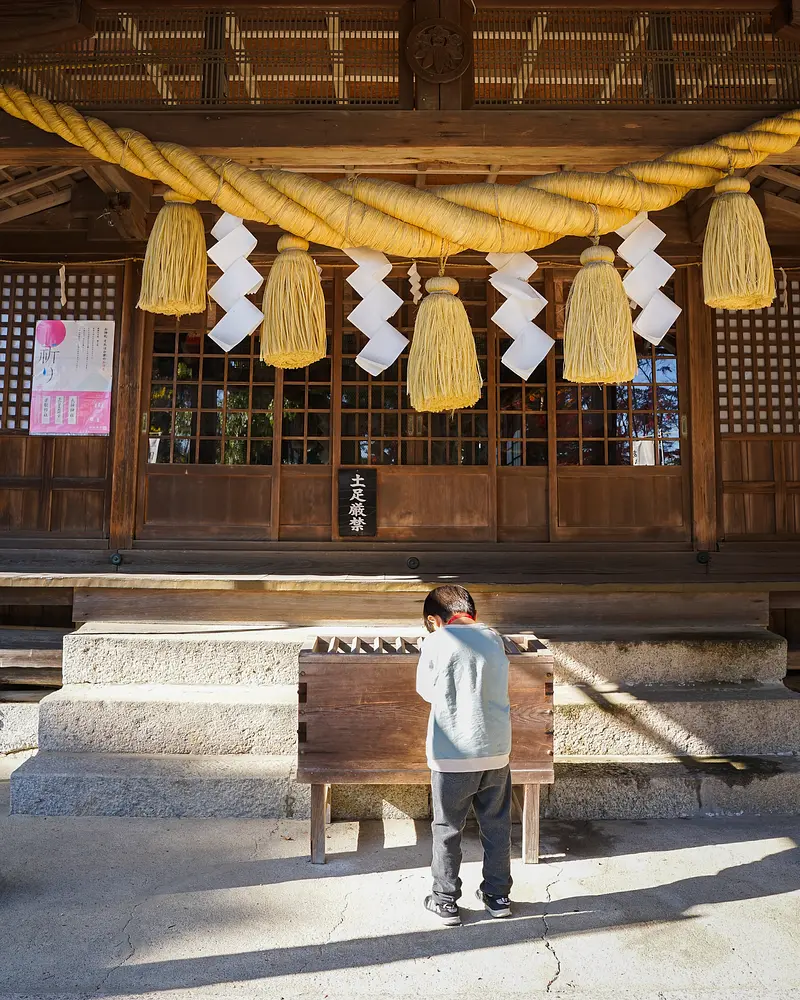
{"type": "Point", "coordinates": [358, 503]}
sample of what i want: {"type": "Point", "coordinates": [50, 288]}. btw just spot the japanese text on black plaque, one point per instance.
{"type": "Point", "coordinates": [358, 507]}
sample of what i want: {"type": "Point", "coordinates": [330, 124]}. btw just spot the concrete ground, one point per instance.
{"type": "Point", "coordinates": [199, 909]}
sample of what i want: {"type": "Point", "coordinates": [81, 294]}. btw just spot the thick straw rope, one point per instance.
{"type": "Point", "coordinates": [408, 221]}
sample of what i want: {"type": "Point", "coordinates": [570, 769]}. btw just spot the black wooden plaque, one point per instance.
{"type": "Point", "coordinates": [358, 503]}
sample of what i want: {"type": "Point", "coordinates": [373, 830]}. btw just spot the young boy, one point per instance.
{"type": "Point", "coordinates": [463, 673]}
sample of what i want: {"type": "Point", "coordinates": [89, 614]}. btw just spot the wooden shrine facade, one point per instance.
{"type": "Point", "coordinates": [215, 448]}
{"type": "Point", "coordinates": [213, 451]}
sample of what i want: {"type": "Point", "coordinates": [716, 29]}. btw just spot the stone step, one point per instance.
{"type": "Point", "coordinates": [590, 788]}
{"type": "Point", "coordinates": [658, 657]}
{"type": "Point", "coordinates": [19, 723]}
{"type": "Point", "coordinates": [253, 786]}
{"type": "Point", "coordinates": [191, 653]}
{"type": "Point", "coordinates": [698, 719]}
{"type": "Point", "coordinates": [170, 719]}
{"type": "Point", "coordinates": [194, 653]}
{"type": "Point", "coordinates": [159, 785]}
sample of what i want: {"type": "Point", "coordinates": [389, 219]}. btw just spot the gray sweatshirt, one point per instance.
{"type": "Point", "coordinates": [463, 673]}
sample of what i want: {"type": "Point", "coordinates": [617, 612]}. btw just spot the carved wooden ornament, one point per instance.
{"type": "Point", "coordinates": [439, 50]}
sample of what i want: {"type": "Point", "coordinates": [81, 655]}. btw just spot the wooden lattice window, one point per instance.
{"type": "Point", "coordinates": [379, 427]}
{"type": "Point", "coordinates": [635, 423]}
{"type": "Point", "coordinates": [758, 366]}
{"type": "Point", "coordinates": [209, 407]}
{"type": "Point", "coordinates": [26, 297]}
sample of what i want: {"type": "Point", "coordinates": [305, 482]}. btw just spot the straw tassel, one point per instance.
{"type": "Point", "coordinates": [293, 333]}
{"type": "Point", "coordinates": [737, 264]}
{"type": "Point", "coordinates": [443, 369]}
{"type": "Point", "coordinates": [174, 272]}
{"type": "Point", "coordinates": [598, 332]}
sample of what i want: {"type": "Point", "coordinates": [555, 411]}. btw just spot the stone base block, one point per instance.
{"type": "Point", "coordinates": [683, 658]}
{"type": "Point", "coordinates": [159, 785]}
{"type": "Point", "coordinates": [170, 718]}
{"type": "Point", "coordinates": [19, 725]}
{"type": "Point", "coordinates": [676, 720]}
{"type": "Point", "coordinates": [155, 653]}
{"type": "Point", "coordinates": [590, 789]}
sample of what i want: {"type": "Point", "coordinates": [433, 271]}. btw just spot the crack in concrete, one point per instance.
{"type": "Point", "coordinates": [131, 947]}
{"type": "Point", "coordinates": [546, 937]}
{"type": "Point", "coordinates": [340, 921]}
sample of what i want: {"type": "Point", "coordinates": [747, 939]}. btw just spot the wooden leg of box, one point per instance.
{"type": "Point", "coordinates": [530, 825]}
{"type": "Point", "coordinates": [319, 801]}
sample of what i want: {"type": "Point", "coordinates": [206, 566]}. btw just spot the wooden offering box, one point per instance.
{"type": "Point", "coordinates": [361, 721]}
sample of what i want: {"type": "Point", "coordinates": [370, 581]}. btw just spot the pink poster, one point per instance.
{"type": "Point", "coordinates": [71, 392]}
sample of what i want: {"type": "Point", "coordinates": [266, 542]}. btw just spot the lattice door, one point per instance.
{"type": "Point", "coordinates": [758, 384]}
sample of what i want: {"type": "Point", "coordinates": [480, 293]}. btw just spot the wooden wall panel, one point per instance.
{"type": "Point", "coordinates": [435, 503]}
{"type": "Point", "coordinates": [522, 512]}
{"type": "Point", "coordinates": [626, 502]}
{"type": "Point", "coordinates": [305, 503]}
{"type": "Point", "coordinates": [208, 502]}
{"type": "Point", "coordinates": [78, 512]}
{"type": "Point", "coordinates": [504, 607]}
{"type": "Point", "coordinates": [21, 456]}
{"type": "Point", "coordinates": [82, 457]}
{"type": "Point", "coordinates": [19, 510]}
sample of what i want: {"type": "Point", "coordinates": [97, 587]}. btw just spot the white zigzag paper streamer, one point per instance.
{"type": "Point", "coordinates": [239, 279]}
{"type": "Point", "coordinates": [515, 316]}
{"type": "Point", "coordinates": [649, 272]}
{"type": "Point", "coordinates": [415, 283]}
{"type": "Point", "coordinates": [371, 315]}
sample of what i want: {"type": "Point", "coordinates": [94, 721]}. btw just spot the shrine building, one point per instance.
{"type": "Point", "coordinates": [332, 425]}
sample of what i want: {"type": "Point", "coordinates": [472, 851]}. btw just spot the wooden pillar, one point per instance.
{"type": "Point", "coordinates": [702, 413]}
{"type": "Point", "coordinates": [126, 432]}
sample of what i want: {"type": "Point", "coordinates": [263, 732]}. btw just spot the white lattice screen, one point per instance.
{"type": "Point", "coordinates": [28, 296]}
{"type": "Point", "coordinates": [758, 366]}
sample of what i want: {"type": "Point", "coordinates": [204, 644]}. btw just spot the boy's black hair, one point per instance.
{"type": "Point", "coordinates": [448, 601]}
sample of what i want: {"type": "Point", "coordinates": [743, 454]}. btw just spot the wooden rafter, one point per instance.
{"type": "Point", "coordinates": [37, 205]}
{"type": "Point", "coordinates": [20, 185]}
{"type": "Point", "coordinates": [780, 176]}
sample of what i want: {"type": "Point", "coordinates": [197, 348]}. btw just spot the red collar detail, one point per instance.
{"type": "Point", "coordinates": [462, 615]}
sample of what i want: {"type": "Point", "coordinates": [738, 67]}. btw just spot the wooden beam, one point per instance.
{"type": "Point", "coordinates": [37, 205]}
{"type": "Point", "coordinates": [27, 27]}
{"type": "Point", "coordinates": [130, 220]}
{"type": "Point", "coordinates": [602, 138]}
{"type": "Point", "coordinates": [127, 431]}
{"type": "Point", "coordinates": [702, 412]}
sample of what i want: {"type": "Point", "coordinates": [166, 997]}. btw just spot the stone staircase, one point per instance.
{"type": "Point", "coordinates": [195, 720]}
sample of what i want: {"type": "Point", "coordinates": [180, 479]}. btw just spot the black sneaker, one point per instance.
{"type": "Point", "coordinates": [497, 906]}
{"type": "Point", "coordinates": [446, 912]}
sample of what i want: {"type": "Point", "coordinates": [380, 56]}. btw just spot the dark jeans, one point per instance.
{"type": "Point", "coordinates": [453, 793]}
